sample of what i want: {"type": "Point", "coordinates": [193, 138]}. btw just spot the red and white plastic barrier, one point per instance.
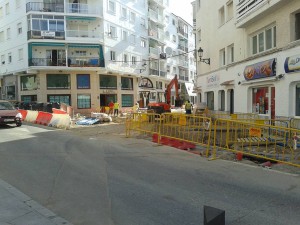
{"type": "Point", "coordinates": [59, 120]}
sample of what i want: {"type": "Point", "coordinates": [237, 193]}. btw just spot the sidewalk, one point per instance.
{"type": "Point", "coordinates": [17, 208]}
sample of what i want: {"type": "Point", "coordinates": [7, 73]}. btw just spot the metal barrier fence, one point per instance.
{"type": "Point", "coordinates": [259, 140]}
{"type": "Point", "coordinates": [177, 127]}
{"type": "Point", "coordinates": [272, 140]}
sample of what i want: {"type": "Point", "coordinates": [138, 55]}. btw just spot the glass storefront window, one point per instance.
{"type": "Point", "coordinates": [60, 99]}
{"type": "Point", "coordinates": [83, 81]}
{"type": "Point", "coordinates": [127, 83]}
{"type": "Point", "coordinates": [84, 101]}
{"type": "Point", "coordinates": [28, 83]}
{"type": "Point", "coordinates": [58, 81]}
{"type": "Point", "coordinates": [260, 100]}
{"type": "Point", "coordinates": [127, 100]}
{"type": "Point", "coordinates": [108, 82]}
{"type": "Point", "coordinates": [297, 100]}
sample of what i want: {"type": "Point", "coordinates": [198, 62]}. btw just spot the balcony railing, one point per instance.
{"type": "Point", "coordinates": [44, 7]}
{"type": "Point", "coordinates": [183, 48]}
{"type": "Point", "coordinates": [82, 8]}
{"type": "Point", "coordinates": [73, 62]}
{"type": "Point", "coordinates": [38, 34]}
{"type": "Point", "coordinates": [183, 63]}
{"type": "Point", "coordinates": [154, 51]}
{"type": "Point", "coordinates": [245, 7]}
{"type": "Point", "coordinates": [181, 31]}
{"type": "Point", "coordinates": [83, 34]}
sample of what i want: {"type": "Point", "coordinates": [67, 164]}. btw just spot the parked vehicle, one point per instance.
{"type": "Point", "coordinates": [9, 114]}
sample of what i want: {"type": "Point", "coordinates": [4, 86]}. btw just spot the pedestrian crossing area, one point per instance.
{"type": "Point", "coordinates": [8, 134]}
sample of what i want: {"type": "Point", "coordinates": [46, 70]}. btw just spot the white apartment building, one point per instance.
{"type": "Point", "coordinates": [84, 53]}
{"type": "Point", "coordinates": [253, 47]}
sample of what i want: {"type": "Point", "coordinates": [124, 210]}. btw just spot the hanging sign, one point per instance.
{"type": "Point", "coordinates": [260, 70]}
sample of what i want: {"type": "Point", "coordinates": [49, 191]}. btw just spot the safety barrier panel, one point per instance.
{"type": "Point", "coordinates": [31, 116]}
{"type": "Point", "coordinates": [43, 118]}
{"type": "Point", "coordinates": [174, 129]}
{"type": "Point", "coordinates": [62, 121]}
{"type": "Point", "coordinates": [58, 111]}
{"type": "Point", "coordinates": [24, 113]}
{"type": "Point", "coordinates": [259, 140]}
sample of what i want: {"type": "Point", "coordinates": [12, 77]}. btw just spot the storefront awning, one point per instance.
{"type": "Point", "coordinates": [190, 88]}
{"type": "Point", "coordinates": [228, 82]}
{"type": "Point", "coordinates": [47, 44]}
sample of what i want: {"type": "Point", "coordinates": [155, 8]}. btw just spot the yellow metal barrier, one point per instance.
{"type": "Point", "coordinates": [275, 143]}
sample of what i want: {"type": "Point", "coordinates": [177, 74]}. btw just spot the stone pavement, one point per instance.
{"type": "Point", "coordinates": [17, 208]}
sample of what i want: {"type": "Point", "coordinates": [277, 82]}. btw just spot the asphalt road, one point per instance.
{"type": "Point", "coordinates": [97, 176]}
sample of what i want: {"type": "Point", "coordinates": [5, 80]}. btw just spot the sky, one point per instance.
{"type": "Point", "coordinates": [182, 8]}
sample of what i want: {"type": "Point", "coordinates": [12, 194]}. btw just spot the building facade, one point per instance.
{"type": "Point", "coordinates": [253, 47]}
{"type": "Point", "coordinates": [85, 53]}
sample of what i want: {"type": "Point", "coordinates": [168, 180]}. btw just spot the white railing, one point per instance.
{"type": "Point", "coordinates": [153, 15]}
{"type": "Point", "coordinates": [83, 8]}
{"type": "Point", "coordinates": [245, 7]}
{"type": "Point", "coordinates": [83, 34]}
{"type": "Point", "coordinates": [154, 51]}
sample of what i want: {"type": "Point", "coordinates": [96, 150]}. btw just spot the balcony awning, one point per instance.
{"type": "Point", "coordinates": [228, 82]}
{"type": "Point", "coordinates": [83, 46]}
{"type": "Point", "coordinates": [189, 88]}
{"type": "Point", "coordinates": [80, 18]}
{"type": "Point", "coordinates": [47, 44]}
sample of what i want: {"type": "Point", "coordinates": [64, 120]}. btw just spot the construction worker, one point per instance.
{"type": "Point", "coordinates": [111, 108]}
{"type": "Point", "coordinates": [188, 107]}
{"type": "Point", "coordinates": [116, 108]}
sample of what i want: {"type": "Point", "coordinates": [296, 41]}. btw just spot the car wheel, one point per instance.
{"type": "Point", "coordinates": [19, 124]}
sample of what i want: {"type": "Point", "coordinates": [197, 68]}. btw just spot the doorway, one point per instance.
{"type": "Point", "coordinates": [231, 101]}
{"type": "Point", "coordinates": [106, 98]}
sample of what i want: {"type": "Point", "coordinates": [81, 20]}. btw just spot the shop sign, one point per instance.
{"type": "Point", "coordinates": [146, 83]}
{"type": "Point", "coordinates": [108, 92]}
{"type": "Point", "coordinates": [260, 70]}
{"type": "Point", "coordinates": [47, 34]}
{"type": "Point", "coordinates": [292, 64]}
{"type": "Point", "coordinates": [212, 81]}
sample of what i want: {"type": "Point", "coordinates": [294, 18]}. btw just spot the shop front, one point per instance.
{"type": "Point", "coordinates": [261, 77]}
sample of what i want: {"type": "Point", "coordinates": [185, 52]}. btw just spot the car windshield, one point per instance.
{"type": "Point", "coordinates": [6, 106]}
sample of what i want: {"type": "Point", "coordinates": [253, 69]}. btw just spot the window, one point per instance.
{"type": "Point", "coordinates": [28, 83]}
{"type": "Point", "coordinates": [132, 17]}
{"type": "Point", "coordinates": [112, 55]}
{"type": "Point", "coordinates": [59, 98]}
{"type": "Point", "coordinates": [1, 36]}
{"type": "Point", "coordinates": [124, 13]}
{"type": "Point", "coordinates": [28, 98]}
{"type": "Point", "coordinates": [19, 28]}
{"type": "Point", "coordinates": [124, 35]}
{"type": "Point", "coordinates": [58, 81]}
{"type": "Point", "coordinates": [111, 7]}
{"type": "Point", "coordinates": [132, 39]}
{"type": "Point", "coordinates": [230, 54]}
{"type": "Point", "coordinates": [133, 60]}
{"type": "Point", "coordinates": [83, 81]}
{"type": "Point", "coordinates": [20, 54]}
{"type": "Point", "coordinates": [125, 58]}
{"type": "Point", "coordinates": [112, 32]}
{"type": "Point", "coordinates": [222, 57]}
{"type": "Point", "coordinates": [167, 35]}
{"type": "Point", "coordinates": [264, 40]}
{"type": "Point", "coordinates": [167, 18]}
{"type": "Point", "coordinates": [260, 100]}
{"type": "Point", "coordinates": [173, 22]}
{"type": "Point", "coordinates": [8, 33]}
{"type": "Point", "coordinates": [199, 35]}
{"type": "Point", "coordinates": [9, 57]}
{"type": "Point", "coordinates": [2, 59]}
{"type": "Point", "coordinates": [229, 10]}
{"type": "Point", "coordinates": [48, 23]}
{"type": "Point", "coordinates": [108, 82]}
{"type": "Point", "coordinates": [174, 38]}
{"type": "Point", "coordinates": [221, 16]}
{"type": "Point", "coordinates": [143, 43]}
{"type": "Point", "coordinates": [297, 26]}
{"type": "Point", "coordinates": [1, 12]}
{"type": "Point", "coordinates": [127, 83]}
{"type": "Point", "coordinates": [158, 85]}
{"type": "Point", "coordinates": [7, 8]}
{"type": "Point", "coordinates": [222, 100]}
{"type": "Point", "coordinates": [127, 100]}
{"type": "Point", "coordinates": [84, 101]}
{"type": "Point", "coordinates": [18, 3]}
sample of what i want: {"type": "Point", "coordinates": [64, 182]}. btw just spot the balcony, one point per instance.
{"type": "Point", "coordinates": [183, 63]}
{"type": "Point", "coordinates": [73, 62]}
{"type": "Point", "coordinates": [249, 11]}
{"type": "Point", "coordinates": [79, 8]}
{"type": "Point", "coordinates": [155, 72]}
{"type": "Point", "coordinates": [181, 31]}
{"type": "Point", "coordinates": [44, 7]}
{"type": "Point", "coordinates": [156, 17]}
{"type": "Point", "coordinates": [183, 48]}
{"type": "Point", "coordinates": [39, 34]}
{"type": "Point", "coordinates": [157, 34]}
{"type": "Point", "coordinates": [154, 52]}
{"type": "Point", "coordinates": [84, 34]}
